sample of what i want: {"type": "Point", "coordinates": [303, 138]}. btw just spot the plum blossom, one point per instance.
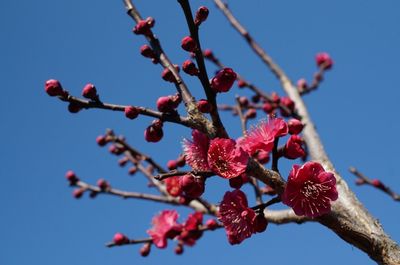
{"type": "Point", "coordinates": [196, 151]}
{"type": "Point", "coordinates": [310, 190]}
{"type": "Point", "coordinates": [164, 227]}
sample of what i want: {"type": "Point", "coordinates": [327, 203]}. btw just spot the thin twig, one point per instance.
{"type": "Point", "coordinates": [374, 183]}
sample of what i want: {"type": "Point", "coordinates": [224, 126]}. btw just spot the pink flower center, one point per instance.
{"type": "Point", "coordinates": [311, 190]}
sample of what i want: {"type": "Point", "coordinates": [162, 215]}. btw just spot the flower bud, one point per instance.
{"type": "Point", "coordinates": [208, 54]}
{"type": "Point", "coordinates": [120, 239]}
{"type": "Point", "coordinates": [288, 103]}
{"type": "Point", "coordinates": [147, 51]}
{"type": "Point", "coordinates": [179, 249]}
{"type": "Point", "coordinates": [262, 156]}
{"type": "Point", "coordinates": [293, 148]}
{"type": "Point", "coordinates": [165, 104]}
{"type": "Point", "coordinates": [145, 249]}
{"type": "Point", "coordinates": [242, 83]}
{"type": "Point", "coordinates": [74, 107]}
{"type": "Point", "coordinates": [71, 177]}
{"type": "Point", "coordinates": [204, 106]}
{"type": "Point", "coordinates": [103, 184]}
{"type": "Point", "coordinates": [101, 140]}
{"type": "Point", "coordinates": [302, 84]}
{"type": "Point", "coordinates": [153, 134]}
{"type": "Point", "coordinates": [268, 108]}
{"type": "Point", "coordinates": [236, 183]}
{"type": "Point", "coordinates": [190, 68]}
{"type": "Point", "coordinates": [77, 193]}
{"type": "Point", "coordinates": [90, 92]}
{"type": "Point", "coordinates": [211, 224]}
{"type": "Point", "coordinates": [324, 60]}
{"type": "Point", "coordinates": [223, 80]}
{"type": "Point", "coordinates": [192, 186]}
{"type": "Point", "coordinates": [201, 15]}
{"type": "Point", "coordinates": [188, 44]}
{"type": "Point", "coordinates": [172, 164]}
{"type": "Point", "coordinates": [295, 126]}
{"type": "Point", "coordinates": [377, 183]}
{"type": "Point", "coordinates": [167, 75]}
{"type": "Point", "coordinates": [260, 223]}
{"type": "Point", "coordinates": [143, 26]}
{"type": "Point", "coordinates": [131, 112]}
{"type": "Point", "coordinates": [250, 113]}
{"type": "Point", "coordinates": [53, 88]}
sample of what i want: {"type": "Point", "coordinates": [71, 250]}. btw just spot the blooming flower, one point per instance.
{"type": "Point", "coordinates": [237, 218]}
{"type": "Point", "coordinates": [164, 227]}
{"type": "Point", "coordinates": [173, 187]}
{"type": "Point", "coordinates": [196, 151]}
{"type": "Point", "coordinates": [263, 135]}
{"type": "Point", "coordinates": [310, 190]}
{"type": "Point", "coordinates": [191, 232]}
{"type": "Point", "coordinates": [226, 158]}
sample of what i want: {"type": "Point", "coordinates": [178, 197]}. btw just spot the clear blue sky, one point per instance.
{"type": "Point", "coordinates": [355, 110]}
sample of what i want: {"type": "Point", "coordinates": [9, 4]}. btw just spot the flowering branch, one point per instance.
{"type": "Point", "coordinates": [203, 77]}
{"type": "Point", "coordinates": [376, 183]}
{"type": "Point", "coordinates": [200, 121]}
{"type": "Point", "coordinates": [173, 173]}
{"type": "Point", "coordinates": [348, 218]}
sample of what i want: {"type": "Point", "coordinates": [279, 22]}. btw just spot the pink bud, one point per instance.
{"type": "Point", "coordinates": [190, 68]}
{"type": "Point", "coordinates": [71, 177]}
{"type": "Point", "coordinates": [145, 250]}
{"type": "Point", "coordinates": [204, 106]}
{"type": "Point", "coordinates": [172, 164]}
{"type": "Point", "coordinates": [120, 239]}
{"type": "Point", "coordinates": [153, 134]}
{"type": "Point", "coordinates": [132, 170]}
{"type": "Point", "coordinates": [143, 26]}
{"type": "Point", "coordinates": [165, 104]}
{"type": "Point", "coordinates": [53, 88]}
{"type": "Point", "coordinates": [324, 60]}
{"type": "Point", "coordinates": [146, 51]}
{"type": "Point", "coordinates": [188, 44]}
{"type": "Point", "coordinates": [268, 108]}
{"type": "Point", "coordinates": [236, 182]}
{"type": "Point", "coordinates": [179, 249]}
{"type": "Point", "coordinates": [101, 140]}
{"type": "Point", "coordinates": [201, 15]}
{"type": "Point", "coordinates": [243, 101]}
{"type": "Point", "coordinates": [122, 162]}
{"type": "Point", "coordinates": [77, 193]}
{"type": "Point", "coordinates": [181, 161]}
{"type": "Point", "coordinates": [224, 80]}
{"type": "Point", "coordinates": [211, 224]}
{"type": "Point", "coordinates": [302, 84]}
{"type": "Point", "coordinates": [102, 184]}
{"type": "Point", "coordinates": [131, 112]}
{"type": "Point", "coordinates": [360, 181]}
{"type": "Point", "coordinates": [192, 186]}
{"type": "Point", "coordinates": [255, 98]}
{"type": "Point", "coordinates": [262, 157]}
{"type": "Point", "coordinates": [208, 54]}
{"type": "Point", "coordinates": [288, 103]}
{"type": "Point", "coordinates": [377, 183]}
{"type": "Point", "coordinates": [167, 75]}
{"type": "Point", "coordinates": [90, 92]}
{"type": "Point", "coordinates": [275, 97]}
{"type": "Point", "coordinates": [294, 147]}
{"type": "Point", "coordinates": [295, 126]}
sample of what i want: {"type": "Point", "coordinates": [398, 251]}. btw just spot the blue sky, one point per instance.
{"type": "Point", "coordinates": [355, 110]}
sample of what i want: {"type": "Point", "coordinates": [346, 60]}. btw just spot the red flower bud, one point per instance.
{"type": "Point", "coordinates": [147, 52]}
{"type": "Point", "coordinates": [243, 101]}
{"type": "Point", "coordinates": [192, 186]}
{"type": "Point", "coordinates": [293, 148]}
{"type": "Point", "coordinates": [255, 98]}
{"type": "Point", "coordinates": [120, 239]}
{"type": "Point", "coordinates": [268, 108]}
{"type": "Point", "coordinates": [101, 140]}
{"type": "Point", "coordinates": [190, 68]}
{"type": "Point", "coordinates": [77, 193]}
{"type": "Point", "coordinates": [302, 84]}
{"type": "Point", "coordinates": [204, 106]}
{"type": "Point", "coordinates": [103, 184]}
{"type": "Point", "coordinates": [224, 80]}
{"type": "Point", "coordinates": [242, 83]}
{"type": "Point", "coordinates": [324, 60]}
{"type": "Point", "coordinates": [145, 250]}
{"type": "Point", "coordinates": [172, 164]}
{"type": "Point", "coordinates": [181, 161]}
{"type": "Point", "coordinates": [262, 157]}
{"type": "Point", "coordinates": [53, 88]}
{"type": "Point", "coordinates": [165, 104]}
{"type": "Point", "coordinates": [275, 97]}
{"type": "Point", "coordinates": [131, 112]}
{"type": "Point", "coordinates": [122, 162]}
{"type": "Point", "coordinates": [201, 15]}
{"type": "Point", "coordinates": [288, 103]}
{"type": "Point", "coordinates": [236, 183]}
{"type": "Point", "coordinates": [295, 126]}
{"type": "Point", "coordinates": [167, 75]}
{"type": "Point", "coordinates": [377, 183]}
{"type": "Point", "coordinates": [143, 26]}
{"type": "Point", "coordinates": [188, 44]}
{"type": "Point", "coordinates": [90, 92]}
{"type": "Point", "coordinates": [71, 177]}
{"type": "Point", "coordinates": [153, 133]}
{"type": "Point", "coordinates": [211, 224]}
{"type": "Point", "coordinates": [132, 170]}
{"type": "Point", "coordinates": [178, 249]}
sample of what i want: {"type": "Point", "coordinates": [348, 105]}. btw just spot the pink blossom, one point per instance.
{"type": "Point", "coordinates": [237, 218]}
{"type": "Point", "coordinates": [191, 232]}
{"type": "Point", "coordinates": [226, 158]}
{"type": "Point", "coordinates": [294, 147]}
{"type": "Point", "coordinates": [164, 227]}
{"type": "Point", "coordinates": [196, 151]}
{"type": "Point", "coordinates": [173, 187]}
{"type": "Point", "coordinates": [310, 190]}
{"type": "Point", "coordinates": [324, 60]}
{"type": "Point", "coordinates": [263, 135]}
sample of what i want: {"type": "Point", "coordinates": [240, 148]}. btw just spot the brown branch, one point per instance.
{"type": "Point", "coordinates": [173, 173]}
{"type": "Point", "coordinates": [243, 118]}
{"type": "Point", "coordinates": [376, 183]}
{"type": "Point", "coordinates": [348, 218]}
{"type": "Point", "coordinates": [89, 104]}
{"type": "Point", "coordinates": [200, 121]}
{"type": "Point", "coordinates": [210, 94]}
{"type": "Point", "coordinates": [280, 217]}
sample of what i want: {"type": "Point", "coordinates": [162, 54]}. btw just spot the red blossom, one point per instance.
{"type": "Point", "coordinates": [224, 80]}
{"type": "Point", "coordinates": [172, 186]}
{"type": "Point", "coordinates": [226, 158]}
{"type": "Point", "coordinates": [324, 60]}
{"type": "Point", "coordinates": [196, 151]}
{"type": "Point", "coordinates": [192, 186]}
{"type": "Point", "coordinates": [164, 227]}
{"type": "Point", "coordinates": [190, 232]}
{"type": "Point", "coordinates": [294, 147]}
{"type": "Point", "coordinates": [310, 190]}
{"type": "Point", "coordinates": [263, 135]}
{"type": "Point", "coordinates": [237, 218]}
